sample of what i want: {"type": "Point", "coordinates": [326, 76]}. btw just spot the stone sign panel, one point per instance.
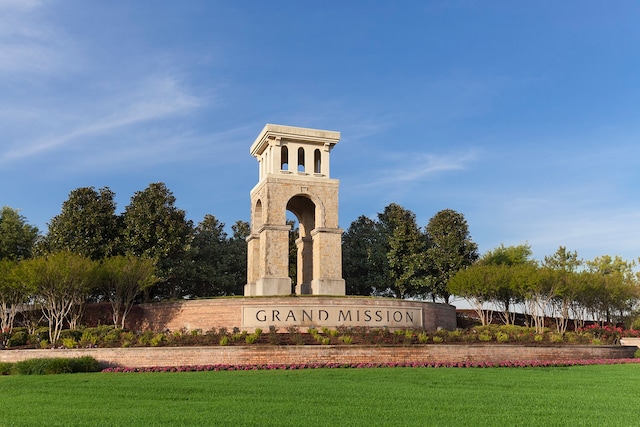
{"type": "Point", "coordinates": [331, 316]}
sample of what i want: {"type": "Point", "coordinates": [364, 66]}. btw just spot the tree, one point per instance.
{"type": "Point", "coordinates": [155, 228]}
{"type": "Point", "coordinates": [238, 257]}
{"type": "Point", "coordinates": [123, 278]}
{"type": "Point", "coordinates": [563, 266]}
{"type": "Point", "coordinates": [478, 285]}
{"type": "Point", "coordinates": [616, 284]}
{"type": "Point", "coordinates": [509, 255]}
{"type": "Point", "coordinates": [218, 262]}
{"type": "Point", "coordinates": [14, 291]}
{"type": "Point", "coordinates": [87, 224]}
{"type": "Point", "coordinates": [406, 246]}
{"type": "Point", "coordinates": [450, 250]}
{"type": "Point", "coordinates": [17, 238]}
{"type": "Point", "coordinates": [365, 266]}
{"type": "Point", "coordinates": [61, 281]}
{"type": "Point", "coordinates": [508, 292]}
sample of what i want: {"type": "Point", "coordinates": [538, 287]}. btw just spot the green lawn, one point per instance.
{"type": "Point", "coordinates": [580, 395]}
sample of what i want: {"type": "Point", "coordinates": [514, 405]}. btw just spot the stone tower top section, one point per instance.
{"type": "Point", "coordinates": [294, 151]}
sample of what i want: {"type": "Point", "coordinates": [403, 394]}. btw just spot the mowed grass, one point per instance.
{"type": "Point", "coordinates": [574, 396]}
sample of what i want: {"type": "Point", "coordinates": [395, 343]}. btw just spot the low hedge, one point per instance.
{"type": "Point", "coordinates": [44, 366]}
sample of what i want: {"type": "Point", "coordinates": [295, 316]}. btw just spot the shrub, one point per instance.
{"type": "Point", "coordinates": [347, 339]}
{"type": "Point", "coordinates": [538, 338]}
{"type": "Point", "coordinates": [437, 339]}
{"type": "Point", "coordinates": [18, 338]}
{"type": "Point", "coordinates": [69, 343]}
{"type": "Point", "coordinates": [89, 338]}
{"type": "Point", "coordinates": [157, 340]}
{"type": "Point", "coordinates": [423, 337]}
{"type": "Point", "coordinates": [40, 334]}
{"type": "Point", "coordinates": [596, 341]}
{"type": "Point", "coordinates": [502, 337]}
{"type": "Point", "coordinates": [327, 341]}
{"type": "Point", "coordinates": [6, 367]}
{"type": "Point", "coordinates": [455, 335]}
{"type": "Point", "coordinates": [556, 338]}
{"type": "Point", "coordinates": [56, 366]}
{"type": "Point", "coordinates": [145, 338]}
{"type": "Point", "coordinates": [224, 340]}
{"type": "Point", "coordinates": [637, 354]}
{"type": "Point", "coordinates": [273, 336]}
{"type": "Point", "coordinates": [485, 336]}
{"type": "Point", "coordinates": [250, 339]}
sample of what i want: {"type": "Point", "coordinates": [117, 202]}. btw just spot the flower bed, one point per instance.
{"type": "Point", "coordinates": [111, 337]}
{"type": "Point", "coordinates": [464, 364]}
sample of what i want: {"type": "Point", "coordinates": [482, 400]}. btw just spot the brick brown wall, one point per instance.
{"type": "Point", "coordinates": [188, 356]}
{"type": "Point", "coordinates": [227, 312]}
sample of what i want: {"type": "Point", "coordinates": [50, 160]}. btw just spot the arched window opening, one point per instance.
{"type": "Point", "coordinates": [300, 159]}
{"type": "Point", "coordinates": [284, 158]}
{"type": "Point", "coordinates": [317, 166]}
{"type": "Point", "coordinates": [257, 216]}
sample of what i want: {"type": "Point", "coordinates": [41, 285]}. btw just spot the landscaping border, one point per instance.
{"type": "Point", "coordinates": [140, 357]}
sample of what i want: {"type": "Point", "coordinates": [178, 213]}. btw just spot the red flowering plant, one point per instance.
{"type": "Point", "coordinates": [460, 364]}
{"type": "Point", "coordinates": [608, 333]}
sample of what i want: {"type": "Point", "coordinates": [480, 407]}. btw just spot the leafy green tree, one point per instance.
{"type": "Point", "coordinates": [218, 261]}
{"type": "Point", "coordinates": [615, 283]}
{"type": "Point", "coordinates": [14, 292]}
{"type": "Point", "coordinates": [509, 255]}
{"type": "Point", "coordinates": [365, 265]}
{"type": "Point", "coordinates": [238, 256]}
{"type": "Point", "coordinates": [123, 278]}
{"type": "Point", "coordinates": [61, 281]}
{"type": "Point", "coordinates": [155, 228]}
{"type": "Point", "coordinates": [406, 246]}
{"type": "Point", "coordinates": [507, 293]}
{"type": "Point", "coordinates": [17, 238]}
{"type": "Point", "coordinates": [87, 224]}
{"type": "Point", "coordinates": [563, 266]}
{"type": "Point", "coordinates": [478, 285]}
{"type": "Point", "coordinates": [450, 250]}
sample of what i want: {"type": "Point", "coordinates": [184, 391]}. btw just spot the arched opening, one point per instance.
{"type": "Point", "coordinates": [284, 158]}
{"type": "Point", "coordinates": [317, 165]}
{"type": "Point", "coordinates": [301, 159]}
{"type": "Point", "coordinates": [257, 217]}
{"type": "Point", "coordinates": [304, 210]}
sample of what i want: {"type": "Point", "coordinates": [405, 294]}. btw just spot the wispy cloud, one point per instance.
{"type": "Point", "coordinates": [29, 45]}
{"type": "Point", "coordinates": [409, 168]}
{"type": "Point", "coordinates": [157, 98]}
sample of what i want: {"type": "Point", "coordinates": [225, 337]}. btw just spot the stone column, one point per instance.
{"type": "Point", "coordinates": [273, 266]}
{"type": "Point", "coordinates": [327, 262]}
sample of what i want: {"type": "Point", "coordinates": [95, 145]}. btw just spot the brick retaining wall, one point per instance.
{"type": "Point", "coordinates": [262, 354]}
{"type": "Point", "coordinates": [228, 312]}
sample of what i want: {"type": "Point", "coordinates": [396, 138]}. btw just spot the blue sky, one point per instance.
{"type": "Point", "coordinates": [523, 116]}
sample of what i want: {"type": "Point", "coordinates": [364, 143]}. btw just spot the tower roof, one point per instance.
{"type": "Point", "coordinates": [292, 133]}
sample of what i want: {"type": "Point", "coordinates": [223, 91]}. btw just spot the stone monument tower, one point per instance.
{"type": "Point", "coordinates": [294, 176]}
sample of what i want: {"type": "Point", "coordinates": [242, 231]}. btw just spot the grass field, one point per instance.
{"type": "Point", "coordinates": [580, 395]}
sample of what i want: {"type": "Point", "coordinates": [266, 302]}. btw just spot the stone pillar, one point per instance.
{"type": "Point", "coordinates": [327, 262]}
{"type": "Point", "coordinates": [304, 264]}
{"type": "Point", "coordinates": [273, 267]}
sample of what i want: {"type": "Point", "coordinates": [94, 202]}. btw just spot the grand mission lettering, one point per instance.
{"type": "Point", "coordinates": [335, 316]}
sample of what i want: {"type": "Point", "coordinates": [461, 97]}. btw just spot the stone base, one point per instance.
{"type": "Point", "coordinates": [268, 286]}
{"type": "Point", "coordinates": [249, 313]}
{"type": "Point", "coordinates": [328, 287]}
